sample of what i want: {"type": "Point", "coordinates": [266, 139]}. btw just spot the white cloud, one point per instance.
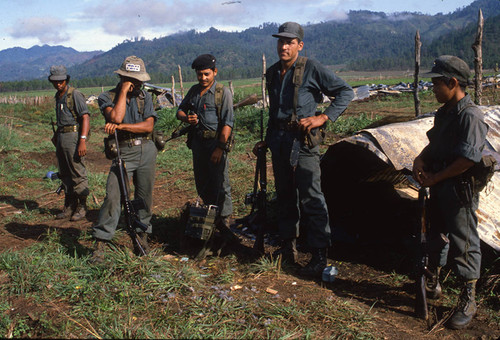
{"type": "Point", "coordinates": [48, 30]}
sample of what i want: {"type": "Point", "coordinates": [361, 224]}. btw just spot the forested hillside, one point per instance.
{"type": "Point", "coordinates": [365, 41]}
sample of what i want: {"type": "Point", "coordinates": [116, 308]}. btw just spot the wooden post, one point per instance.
{"type": "Point", "coordinates": [173, 92]}
{"type": "Point", "coordinates": [180, 81]}
{"type": "Point", "coordinates": [418, 44]}
{"type": "Point", "coordinates": [478, 59]}
{"type": "Point", "coordinates": [231, 88]}
{"type": "Point", "coordinates": [263, 82]}
{"type": "Point", "coordinates": [495, 84]}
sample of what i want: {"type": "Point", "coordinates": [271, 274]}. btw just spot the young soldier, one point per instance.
{"type": "Point", "coordinates": [213, 124]}
{"type": "Point", "coordinates": [129, 110]}
{"type": "Point", "coordinates": [73, 125]}
{"type": "Point", "coordinates": [296, 85]}
{"type": "Point", "coordinates": [456, 142]}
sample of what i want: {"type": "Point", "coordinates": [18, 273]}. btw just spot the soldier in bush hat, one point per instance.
{"type": "Point", "coordinates": [128, 110]}
{"type": "Point", "coordinates": [208, 107]}
{"type": "Point", "coordinates": [73, 125]}
{"type": "Point", "coordinates": [296, 86]}
{"type": "Point", "coordinates": [455, 144]}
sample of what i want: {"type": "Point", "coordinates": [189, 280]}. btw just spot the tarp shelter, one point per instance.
{"type": "Point", "coordinates": [370, 194]}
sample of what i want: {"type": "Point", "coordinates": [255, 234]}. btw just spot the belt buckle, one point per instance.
{"type": "Point", "coordinates": [137, 142]}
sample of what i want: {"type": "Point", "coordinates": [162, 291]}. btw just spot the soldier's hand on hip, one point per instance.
{"type": "Point", "coordinates": [306, 124]}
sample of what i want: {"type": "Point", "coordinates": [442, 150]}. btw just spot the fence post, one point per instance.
{"type": "Point", "coordinates": [478, 60]}
{"type": "Point", "coordinates": [418, 44]}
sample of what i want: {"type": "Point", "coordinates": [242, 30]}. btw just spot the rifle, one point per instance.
{"type": "Point", "coordinates": [426, 246]}
{"type": "Point", "coordinates": [54, 136]}
{"type": "Point", "coordinates": [258, 198]}
{"type": "Point", "coordinates": [130, 207]}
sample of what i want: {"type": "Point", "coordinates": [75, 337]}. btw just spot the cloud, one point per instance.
{"type": "Point", "coordinates": [48, 30]}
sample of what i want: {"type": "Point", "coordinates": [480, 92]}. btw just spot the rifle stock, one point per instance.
{"type": "Point", "coordinates": [421, 309]}
{"type": "Point", "coordinates": [130, 207]}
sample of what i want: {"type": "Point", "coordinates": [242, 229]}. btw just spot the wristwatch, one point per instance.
{"type": "Point", "coordinates": [83, 137]}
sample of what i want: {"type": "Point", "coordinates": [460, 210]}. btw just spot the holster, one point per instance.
{"type": "Point", "coordinates": [315, 137]}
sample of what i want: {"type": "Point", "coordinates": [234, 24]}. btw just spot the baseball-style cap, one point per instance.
{"type": "Point", "coordinates": [290, 30]}
{"type": "Point", "coordinates": [133, 67]}
{"type": "Point", "coordinates": [58, 73]}
{"type": "Point", "coordinates": [203, 62]}
{"type": "Point", "coordinates": [451, 67]}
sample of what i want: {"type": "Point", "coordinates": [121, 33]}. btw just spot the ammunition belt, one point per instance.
{"type": "Point", "coordinates": [67, 128]}
{"type": "Point", "coordinates": [206, 134]}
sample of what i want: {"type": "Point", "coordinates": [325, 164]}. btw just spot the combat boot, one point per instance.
{"type": "Point", "coordinates": [98, 251]}
{"type": "Point", "coordinates": [288, 251]}
{"type": "Point", "coordinates": [81, 208]}
{"type": "Point", "coordinates": [69, 207]}
{"type": "Point", "coordinates": [432, 286]}
{"type": "Point", "coordinates": [143, 238]}
{"type": "Point", "coordinates": [317, 264]}
{"type": "Point", "coordinates": [466, 307]}
{"type": "Point", "coordinates": [223, 224]}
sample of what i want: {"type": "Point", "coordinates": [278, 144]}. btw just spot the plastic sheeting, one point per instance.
{"type": "Point", "coordinates": [398, 144]}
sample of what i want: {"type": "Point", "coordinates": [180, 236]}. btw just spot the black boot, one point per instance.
{"type": "Point", "coordinates": [288, 251]}
{"type": "Point", "coordinates": [317, 264]}
{"type": "Point", "coordinates": [81, 208]}
{"type": "Point", "coordinates": [69, 207]}
{"type": "Point", "coordinates": [432, 285]}
{"type": "Point", "coordinates": [466, 307]}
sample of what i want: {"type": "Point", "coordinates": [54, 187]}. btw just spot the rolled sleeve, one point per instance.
{"type": "Point", "coordinates": [104, 101]}
{"type": "Point", "coordinates": [80, 103]}
{"type": "Point", "coordinates": [472, 135]}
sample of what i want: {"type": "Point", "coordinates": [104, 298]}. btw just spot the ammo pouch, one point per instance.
{"type": "Point", "coordinates": [481, 173]}
{"type": "Point", "coordinates": [159, 139]}
{"type": "Point", "coordinates": [315, 137]}
{"type": "Point", "coordinates": [110, 149]}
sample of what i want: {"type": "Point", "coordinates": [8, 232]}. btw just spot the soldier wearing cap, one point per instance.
{"type": "Point", "coordinates": [292, 137]}
{"type": "Point", "coordinates": [128, 110]}
{"type": "Point", "coordinates": [212, 127]}
{"type": "Point", "coordinates": [455, 144]}
{"type": "Point", "coordinates": [73, 125]}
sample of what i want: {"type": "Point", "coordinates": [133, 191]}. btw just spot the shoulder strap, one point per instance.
{"type": "Point", "coordinates": [298, 76]}
{"type": "Point", "coordinates": [219, 90]}
{"type": "Point", "coordinates": [70, 102]}
{"type": "Point", "coordinates": [140, 99]}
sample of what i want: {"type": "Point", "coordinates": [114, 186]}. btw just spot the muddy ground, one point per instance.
{"type": "Point", "coordinates": [370, 275]}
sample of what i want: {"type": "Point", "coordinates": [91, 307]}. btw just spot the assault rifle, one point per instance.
{"type": "Point", "coordinates": [130, 207]}
{"type": "Point", "coordinates": [426, 245]}
{"type": "Point", "coordinates": [258, 198]}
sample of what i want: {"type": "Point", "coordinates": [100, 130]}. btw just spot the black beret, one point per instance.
{"type": "Point", "coordinates": [203, 62]}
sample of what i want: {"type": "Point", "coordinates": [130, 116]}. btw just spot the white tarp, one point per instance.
{"type": "Point", "coordinates": [398, 144]}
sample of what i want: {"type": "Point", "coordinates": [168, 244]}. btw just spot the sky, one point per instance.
{"type": "Point", "coordinates": [88, 25]}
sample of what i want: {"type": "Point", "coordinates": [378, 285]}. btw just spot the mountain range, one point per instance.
{"type": "Point", "coordinates": [364, 41]}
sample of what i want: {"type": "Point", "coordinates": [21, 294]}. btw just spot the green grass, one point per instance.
{"type": "Point", "coordinates": [131, 297]}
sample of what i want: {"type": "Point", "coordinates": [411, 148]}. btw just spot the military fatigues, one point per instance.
{"type": "Point", "coordinates": [302, 187]}
{"type": "Point", "coordinates": [458, 133]}
{"type": "Point", "coordinates": [139, 152]}
{"type": "Point", "coordinates": [212, 180]}
{"type": "Point", "coordinates": [72, 171]}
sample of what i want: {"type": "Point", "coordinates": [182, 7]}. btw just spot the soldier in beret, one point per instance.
{"type": "Point", "coordinates": [208, 107]}
{"type": "Point", "coordinates": [73, 126]}
{"type": "Point", "coordinates": [455, 144]}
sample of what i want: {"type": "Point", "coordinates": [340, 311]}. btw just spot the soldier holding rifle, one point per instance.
{"type": "Point", "coordinates": [128, 109]}
{"type": "Point", "coordinates": [296, 86]}
{"type": "Point", "coordinates": [455, 144]}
